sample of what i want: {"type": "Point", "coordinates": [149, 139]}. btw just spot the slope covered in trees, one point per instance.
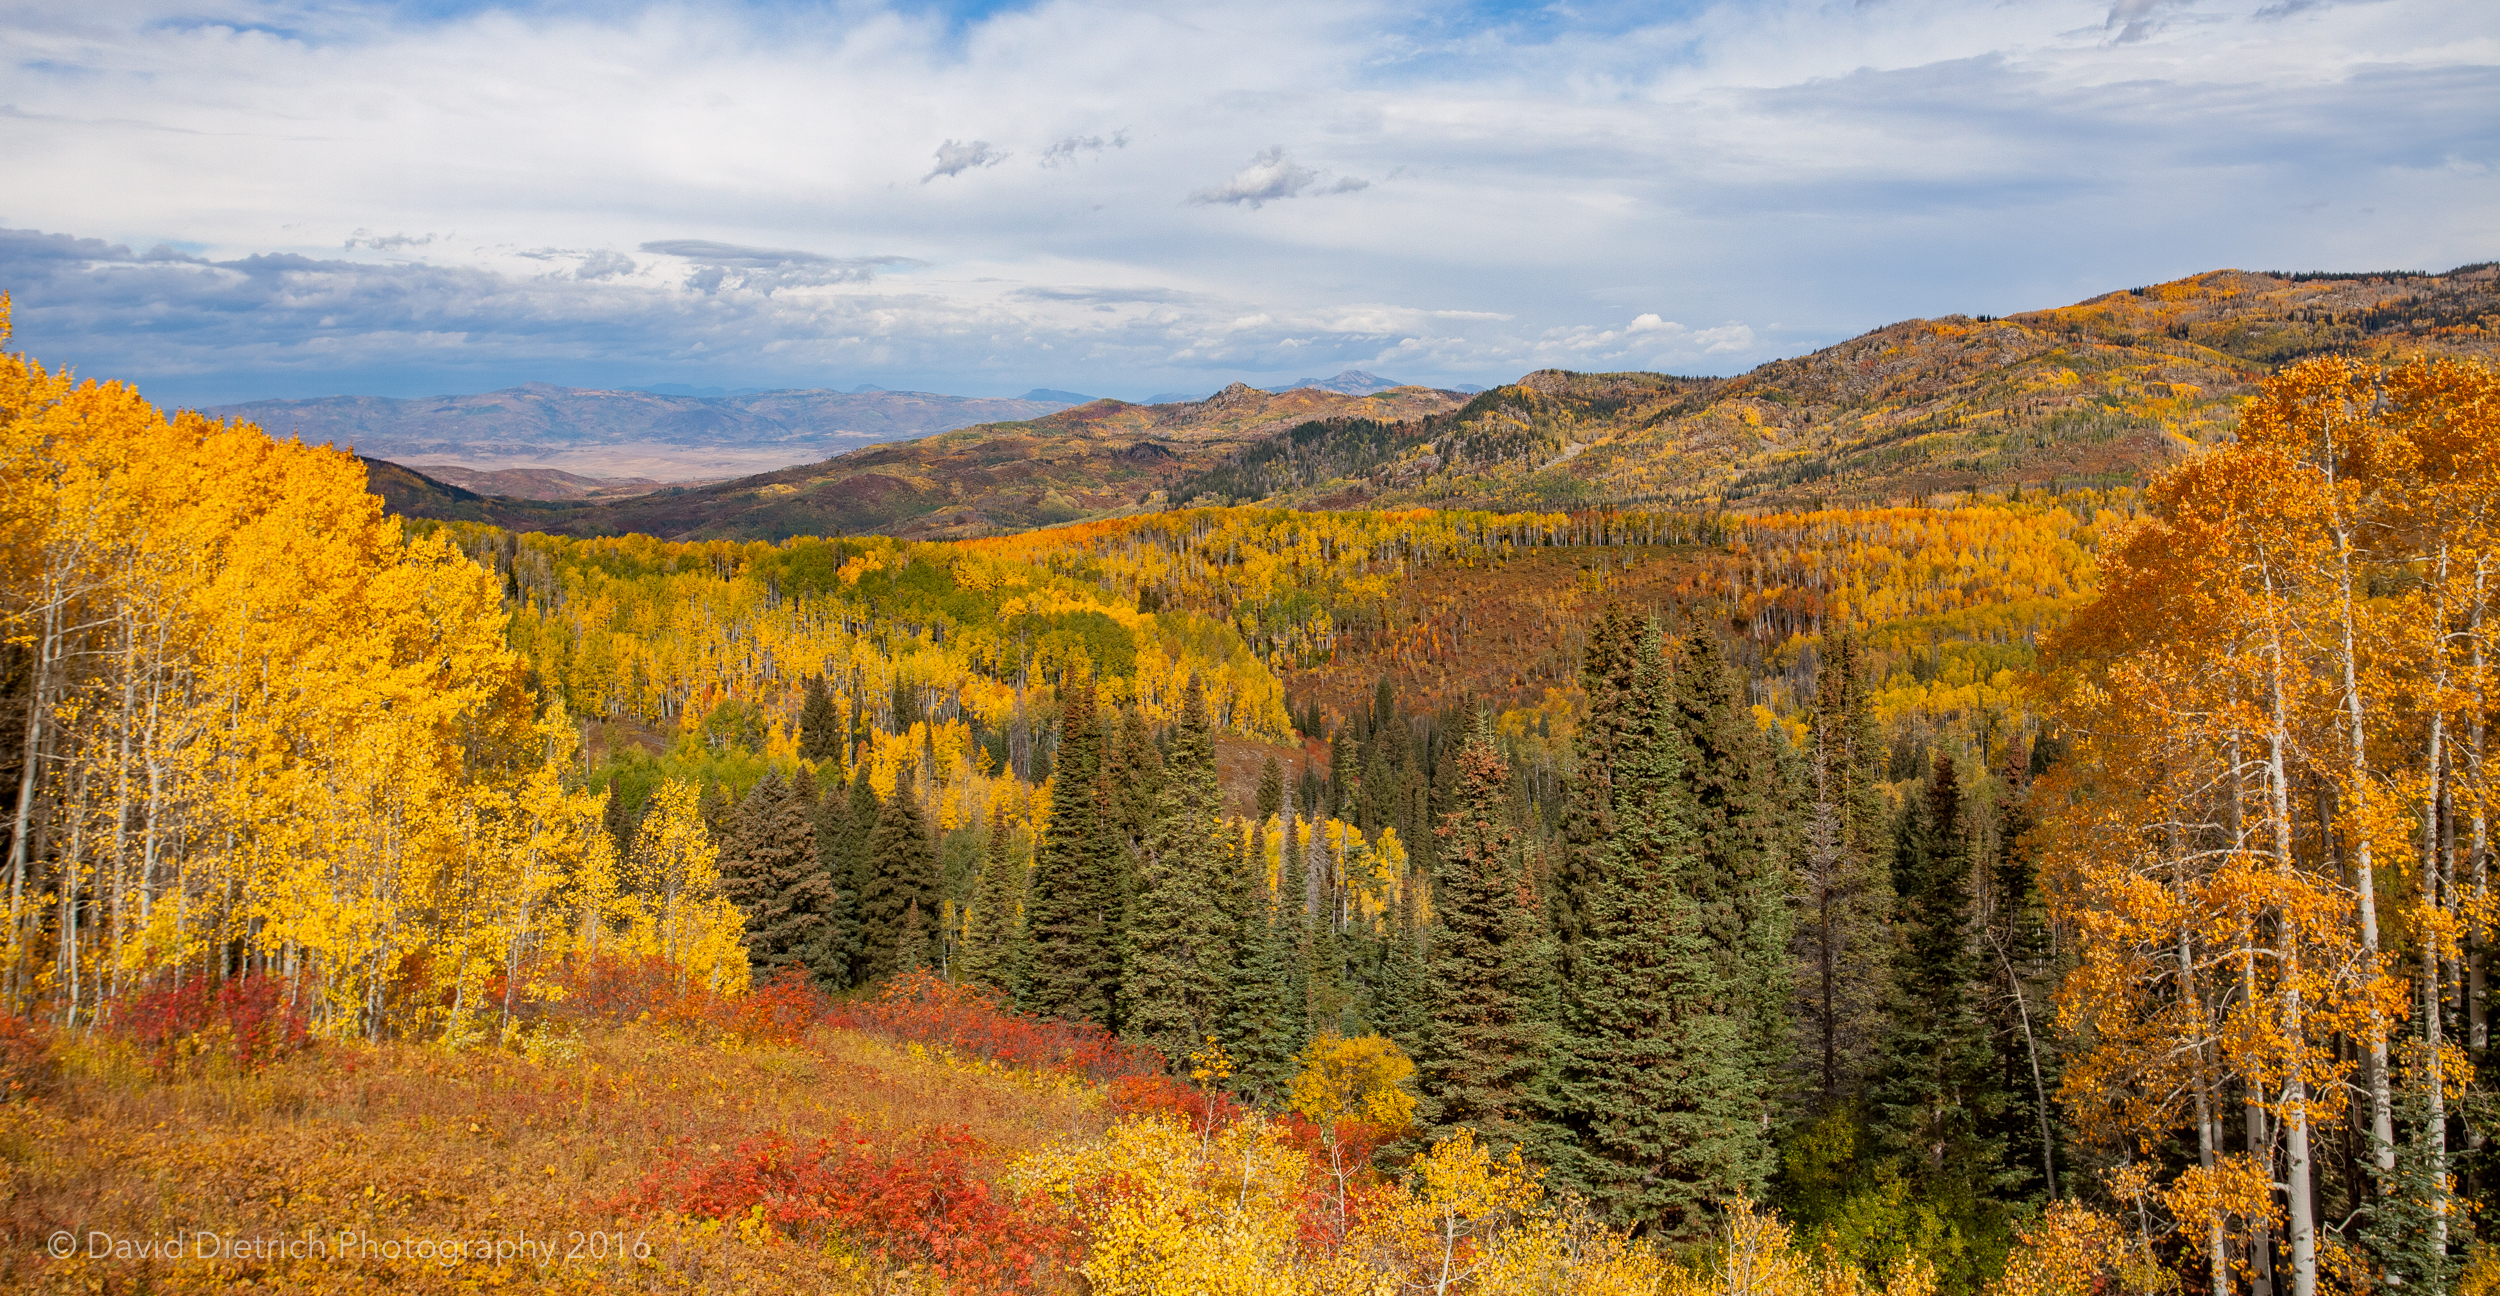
{"type": "Point", "coordinates": [2068, 892]}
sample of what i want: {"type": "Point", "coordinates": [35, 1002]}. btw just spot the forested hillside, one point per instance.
{"type": "Point", "coordinates": [2099, 394]}
{"type": "Point", "coordinates": [2057, 890]}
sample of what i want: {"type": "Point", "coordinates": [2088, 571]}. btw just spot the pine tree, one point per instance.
{"type": "Point", "coordinates": [1402, 1007]}
{"type": "Point", "coordinates": [1743, 886]}
{"type": "Point", "coordinates": [1071, 918]}
{"type": "Point", "coordinates": [859, 820]}
{"type": "Point", "coordinates": [768, 869]}
{"type": "Point", "coordinates": [2022, 981]}
{"type": "Point", "coordinates": [911, 940]}
{"type": "Point", "coordinates": [1588, 813]}
{"type": "Point", "coordinates": [832, 823]}
{"type": "Point", "coordinates": [1180, 956]}
{"type": "Point", "coordinates": [820, 727]}
{"type": "Point", "coordinates": [994, 923]}
{"type": "Point", "coordinates": [1271, 790]}
{"type": "Point", "coordinates": [1485, 1044]}
{"type": "Point", "coordinates": [1133, 769]}
{"type": "Point", "coordinates": [1844, 885]}
{"type": "Point", "coordinates": [1654, 1115]}
{"type": "Point", "coordinates": [1261, 1017]}
{"type": "Point", "coordinates": [1938, 1083]}
{"type": "Point", "coordinates": [905, 882]}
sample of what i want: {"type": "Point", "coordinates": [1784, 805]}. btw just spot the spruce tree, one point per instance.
{"type": "Point", "coordinates": [1588, 810]}
{"type": "Point", "coordinates": [994, 922]}
{"type": "Point", "coordinates": [1134, 772]}
{"type": "Point", "coordinates": [858, 821]}
{"type": "Point", "coordinates": [820, 726]}
{"type": "Point", "coordinates": [1843, 883]}
{"type": "Point", "coordinates": [769, 870]}
{"type": "Point", "coordinates": [1743, 888]}
{"type": "Point", "coordinates": [832, 823]}
{"type": "Point", "coordinates": [1271, 790]}
{"type": "Point", "coordinates": [1654, 1116]}
{"type": "Point", "coordinates": [1180, 955]}
{"type": "Point", "coordinates": [1938, 1085]}
{"type": "Point", "coordinates": [2022, 974]}
{"type": "Point", "coordinates": [1260, 1018]}
{"type": "Point", "coordinates": [1485, 1046]}
{"type": "Point", "coordinates": [1401, 1005]}
{"type": "Point", "coordinates": [1070, 916]}
{"type": "Point", "coordinates": [904, 881]}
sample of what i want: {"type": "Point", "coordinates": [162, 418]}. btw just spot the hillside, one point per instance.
{"type": "Point", "coordinates": [2098, 393]}
{"type": "Point", "coordinates": [626, 433]}
{"type": "Point", "coordinates": [1091, 461]}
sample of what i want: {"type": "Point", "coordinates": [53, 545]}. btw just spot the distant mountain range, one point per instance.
{"type": "Point", "coordinates": [612, 435]}
{"type": "Point", "coordinates": [2099, 393]}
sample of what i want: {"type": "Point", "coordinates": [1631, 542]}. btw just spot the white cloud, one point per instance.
{"type": "Point", "coordinates": [955, 159]}
{"type": "Point", "coordinates": [744, 196]}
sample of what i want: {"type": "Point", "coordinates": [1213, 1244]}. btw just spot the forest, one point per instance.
{"type": "Point", "coordinates": [2055, 892]}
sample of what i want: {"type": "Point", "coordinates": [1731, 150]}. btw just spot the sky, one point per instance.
{"type": "Point", "coordinates": [240, 200]}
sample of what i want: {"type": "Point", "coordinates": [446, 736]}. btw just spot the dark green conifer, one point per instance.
{"type": "Point", "coordinates": [820, 727]}
{"type": "Point", "coordinates": [1843, 882]}
{"type": "Point", "coordinates": [858, 821]}
{"type": "Point", "coordinates": [903, 881]}
{"type": "Point", "coordinates": [2023, 975]}
{"type": "Point", "coordinates": [1649, 1097]}
{"type": "Point", "coordinates": [1271, 790]}
{"type": "Point", "coordinates": [768, 869]}
{"type": "Point", "coordinates": [1071, 914]}
{"type": "Point", "coordinates": [1743, 886]}
{"type": "Point", "coordinates": [1486, 1044]}
{"type": "Point", "coordinates": [1401, 1005]}
{"type": "Point", "coordinates": [1588, 811]}
{"type": "Point", "coordinates": [1180, 956]}
{"type": "Point", "coordinates": [1937, 1085]}
{"type": "Point", "coordinates": [1260, 1026]}
{"type": "Point", "coordinates": [994, 921]}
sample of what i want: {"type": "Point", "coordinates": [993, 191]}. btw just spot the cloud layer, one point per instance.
{"type": "Point", "coordinates": [265, 199]}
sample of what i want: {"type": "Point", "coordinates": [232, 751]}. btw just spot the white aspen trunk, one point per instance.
{"type": "Point", "coordinates": [2300, 1210]}
{"type": "Point", "coordinates": [2431, 1079]}
{"type": "Point", "coordinates": [2356, 737]}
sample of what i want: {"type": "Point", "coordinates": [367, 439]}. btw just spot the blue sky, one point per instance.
{"type": "Point", "coordinates": [265, 199]}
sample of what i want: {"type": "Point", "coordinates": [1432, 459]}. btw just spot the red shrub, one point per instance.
{"type": "Point", "coordinates": [27, 1067]}
{"type": "Point", "coordinates": [922, 1200]}
{"type": "Point", "coordinates": [609, 989]}
{"type": "Point", "coordinates": [1204, 1110]}
{"type": "Point", "coordinates": [248, 1017]}
{"type": "Point", "coordinates": [918, 1007]}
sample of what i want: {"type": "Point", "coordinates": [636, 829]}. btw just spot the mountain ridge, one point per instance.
{"type": "Point", "coordinates": [2100, 392]}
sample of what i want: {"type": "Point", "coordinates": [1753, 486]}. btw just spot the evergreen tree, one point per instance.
{"type": "Point", "coordinates": [1485, 1044]}
{"type": "Point", "coordinates": [858, 822]}
{"type": "Point", "coordinates": [1743, 887]}
{"type": "Point", "coordinates": [911, 940]}
{"type": "Point", "coordinates": [1133, 770]}
{"type": "Point", "coordinates": [1938, 1083]}
{"type": "Point", "coordinates": [1261, 1016]}
{"type": "Point", "coordinates": [1070, 916]}
{"type": "Point", "coordinates": [768, 869]}
{"type": "Point", "coordinates": [1180, 957]}
{"type": "Point", "coordinates": [820, 726]}
{"type": "Point", "coordinates": [994, 922]}
{"type": "Point", "coordinates": [832, 823]}
{"type": "Point", "coordinates": [715, 808]}
{"type": "Point", "coordinates": [1844, 884]}
{"type": "Point", "coordinates": [1655, 1117]}
{"type": "Point", "coordinates": [904, 882]}
{"type": "Point", "coordinates": [1588, 812]}
{"type": "Point", "coordinates": [1271, 790]}
{"type": "Point", "coordinates": [1401, 1006]}
{"type": "Point", "coordinates": [2022, 973]}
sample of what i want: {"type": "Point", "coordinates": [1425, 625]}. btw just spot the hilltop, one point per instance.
{"type": "Point", "coordinates": [2094, 394]}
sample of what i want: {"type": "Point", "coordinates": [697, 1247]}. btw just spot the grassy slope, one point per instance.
{"type": "Point", "coordinates": [403, 1141]}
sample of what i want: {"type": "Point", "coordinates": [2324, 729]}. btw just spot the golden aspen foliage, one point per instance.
{"type": "Point", "coordinates": [1365, 1078]}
